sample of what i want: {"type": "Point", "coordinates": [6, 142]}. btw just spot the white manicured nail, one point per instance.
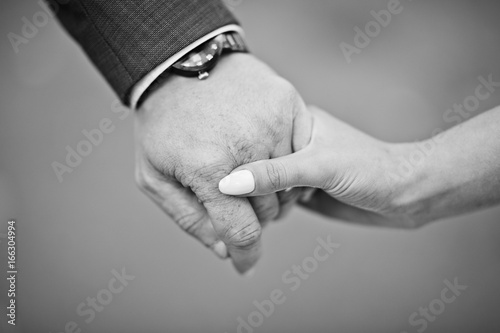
{"type": "Point", "coordinates": [237, 183]}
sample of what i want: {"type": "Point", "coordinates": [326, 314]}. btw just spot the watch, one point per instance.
{"type": "Point", "coordinates": [205, 57]}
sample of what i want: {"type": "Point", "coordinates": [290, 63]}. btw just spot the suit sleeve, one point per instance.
{"type": "Point", "coordinates": [126, 39]}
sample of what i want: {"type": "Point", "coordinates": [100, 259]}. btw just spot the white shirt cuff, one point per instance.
{"type": "Point", "coordinates": [143, 84]}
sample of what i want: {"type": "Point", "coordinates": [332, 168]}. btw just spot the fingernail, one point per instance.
{"type": "Point", "coordinates": [220, 249]}
{"type": "Point", "coordinates": [250, 273]}
{"type": "Point", "coordinates": [237, 183]}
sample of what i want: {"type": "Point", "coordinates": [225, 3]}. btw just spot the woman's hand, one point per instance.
{"type": "Point", "coordinates": [368, 181]}
{"type": "Point", "coordinates": [352, 168]}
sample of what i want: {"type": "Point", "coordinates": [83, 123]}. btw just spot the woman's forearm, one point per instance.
{"type": "Point", "coordinates": [455, 172]}
{"type": "Point", "coordinates": [380, 183]}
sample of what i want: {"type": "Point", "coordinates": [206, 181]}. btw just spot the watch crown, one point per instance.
{"type": "Point", "coordinates": [203, 75]}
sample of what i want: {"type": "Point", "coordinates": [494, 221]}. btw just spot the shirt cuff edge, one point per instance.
{"type": "Point", "coordinates": [142, 85]}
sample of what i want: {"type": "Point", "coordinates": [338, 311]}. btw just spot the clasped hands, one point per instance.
{"type": "Point", "coordinates": [247, 122]}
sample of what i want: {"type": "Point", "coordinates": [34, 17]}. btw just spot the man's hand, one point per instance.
{"type": "Point", "coordinates": [191, 133]}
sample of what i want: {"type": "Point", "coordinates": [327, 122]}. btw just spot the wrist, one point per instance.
{"type": "Point", "coordinates": [411, 184]}
{"type": "Point", "coordinates": [232, 68]}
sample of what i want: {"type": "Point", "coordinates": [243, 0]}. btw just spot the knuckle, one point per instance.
{"type": "Point", "coordinates": [189, 222]}
{"type": "Point", "coordinates": [276, 175]}
{"type": "Point", "coordinates": [205, 181]}
{"type": "Point", "coordinates": [244, 237]}
{"type": "Point", "coordinates": [245, 150]}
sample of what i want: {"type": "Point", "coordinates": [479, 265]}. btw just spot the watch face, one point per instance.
{"type": "Point", "coordinates": [201, 58]}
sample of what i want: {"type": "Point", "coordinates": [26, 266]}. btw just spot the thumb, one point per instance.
{"type": "Point", "coordinates": [309, 167]}
{"type": "Point", "coordinates": [268, 176]}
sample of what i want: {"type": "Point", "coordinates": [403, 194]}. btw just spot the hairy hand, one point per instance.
{"type": "Point", "coordinates": [191, 133]}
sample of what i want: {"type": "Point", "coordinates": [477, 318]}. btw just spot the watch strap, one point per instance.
{"type": "Point", "coordinates": [234, 42]}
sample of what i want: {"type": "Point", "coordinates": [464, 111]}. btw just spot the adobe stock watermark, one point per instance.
{"type": "Point", "coordinates": [30, 26]}
{"type": "Point", "coordinates": [372, 29]}
{"type": "Point", "coordinates": [292, 278]}
{"type": "Point", "coordinates": [91, 138]}
{"type": "Point", "coordinates": [427, 314]}
{"type": "Point", "coordinates": [457, 114]}
{"type": "Point", "coordinates": [87, 310]}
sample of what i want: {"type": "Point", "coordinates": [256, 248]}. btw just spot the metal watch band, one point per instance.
{"type": "Point", "coordinates": [234, 42]}
{"type": "Point", "coordinates": [200, 61]}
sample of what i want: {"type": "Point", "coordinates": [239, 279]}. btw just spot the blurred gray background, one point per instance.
{"type": "Point", "coordinates": [71, 235]}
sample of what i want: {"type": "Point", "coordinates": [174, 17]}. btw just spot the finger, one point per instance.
{"type": "Point", "coordinates": [302, 126]}
{"type": "Point", "coordinates": [307, 193]}
{"type": "Point", "coordinates": [309, 167]}
{"type": "Point", "coordinates": [183, 207]}
{"type": "Point", "coordinates": [301, 137]}
{"type": "Point", "coordinates": [269, 176]}
{"type": "Point", "coordinates": [287, 200]}
{"type": "Point", "coordinates": [237, 226]}
{"type": "Point", "coordinates": [266, 207]}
